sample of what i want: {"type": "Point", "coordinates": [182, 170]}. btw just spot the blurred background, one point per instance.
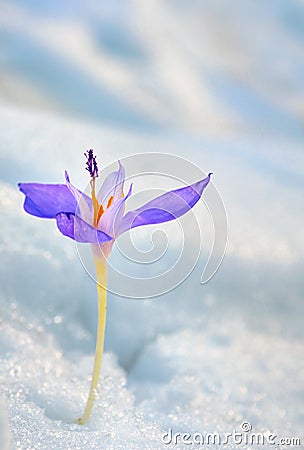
{"type": "Point", "coordinates": [219, 83]}
{"type": "Point", "coordinates": [203, 67]}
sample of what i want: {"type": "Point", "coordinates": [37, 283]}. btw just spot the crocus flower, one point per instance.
{"type": "Point", "coordinates": [99, 220]}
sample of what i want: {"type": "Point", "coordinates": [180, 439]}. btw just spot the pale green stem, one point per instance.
{"type": "Point", "coordinates": [101, 274]}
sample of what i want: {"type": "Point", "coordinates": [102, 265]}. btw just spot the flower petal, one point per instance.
{"type": "Point", "coordinates": [84, 203]}
{"type": "Point", "coordinates": [74, 227]}
{"type": "Point", "coordinates": [111, 219]}
{"type": "Point", "coordinates": [112, 186]}
{"type": "Point", "coordinates": [166, 207]}
{"type": "Point", "coordinates": [47, 200]}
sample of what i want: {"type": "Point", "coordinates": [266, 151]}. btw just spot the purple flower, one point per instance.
{"type": "Point", "coordinates": [101, 218]}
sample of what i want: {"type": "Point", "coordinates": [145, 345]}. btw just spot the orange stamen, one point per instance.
{"type": "Point", "coordinates": [99, 214]}
{"type": "Point", "coordinates": [110, 201]}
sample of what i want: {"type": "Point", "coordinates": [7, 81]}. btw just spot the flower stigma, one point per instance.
{"type": "Point", "coordinates": [92, 168]}
{"type": "Point", "coordinates": [91, 164]}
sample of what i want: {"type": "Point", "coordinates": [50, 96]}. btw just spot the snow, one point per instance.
{"type": "Point", "coordinates": [201, 82]}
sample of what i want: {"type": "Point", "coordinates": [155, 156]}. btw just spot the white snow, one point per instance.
{"type": "Point", "coordinates": [217, 86]}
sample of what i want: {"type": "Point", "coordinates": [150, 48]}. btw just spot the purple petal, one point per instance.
{"type": "Point", "coordinates": [47, 200]}
{"type": "Point", "coordinates": [84, 203]}
{"type": "Point", "coordinates": [79, 230]}
{"type": "Point", "coordinates": [111, 219]}
{"type": "Point", "coordinates": [112, 186]}
{"type": "Point", "coordinates": [166, 207]}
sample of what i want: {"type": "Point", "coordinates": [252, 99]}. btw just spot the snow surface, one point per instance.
{"type": "Point", "coordinates": [221, 87]}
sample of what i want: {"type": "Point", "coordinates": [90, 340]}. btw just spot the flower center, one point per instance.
{"type": "Point", "coordinates": [92, 168]}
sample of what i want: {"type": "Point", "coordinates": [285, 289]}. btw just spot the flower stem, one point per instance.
{"type": "Point", "coordinates": [101, 274]}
